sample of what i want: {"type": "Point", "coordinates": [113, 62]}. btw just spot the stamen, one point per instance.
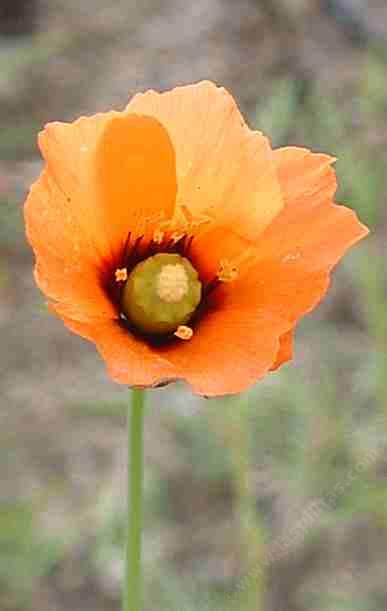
{"type": "Point", "coordinates": [187, 243]}
{"type": "Point", "coordinates": [176, 236]}
{"type": "Point", "coordinates": [227, 271]}
{"type": "Point", "coordinates": [158, 236]}
{"type": "Point", "coordinates": [183, 332]}
{"type": "Point", "coordinates": [185, 222]}
{"type": "Point", "coordinates": [121, 275]}
{"type": "Point", "coordinates": [200, 221]}
{"type": "Point", "coordinates": [188, 216]}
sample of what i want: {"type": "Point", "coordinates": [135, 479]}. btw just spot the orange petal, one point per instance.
{"type": "Point", "coordinates": [285, 351]}
{"type": "Point", "coordinates": [230, 350]}
{"type": "Point", "coordinates": [103, 174]}
{"type": "Point", "coordinates": [129, 360]}
{"type": "Point", "coordinates": [136, 176]}
{"type": "Point", "coordinates": [66, 262]}
{"type": "Point", "coordinates": [305, 176]}
{"type": "Point", "coordinates": [223, 168]}
{"type": "Point", "coordinates": [69, 150]}
{"type": "Point", "coordinates": [292, 285]}
{"type": "Point", "coordinates": [294, 258]}
{"type": "Point", "coordinates": [311, 229]}
{"type": "Point", "coordinates": [297, 252]}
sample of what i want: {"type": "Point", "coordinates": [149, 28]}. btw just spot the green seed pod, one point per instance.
{"type": "Point", "coordinates": [161, 293]}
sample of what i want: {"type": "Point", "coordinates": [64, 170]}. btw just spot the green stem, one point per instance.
{"type": "Point", "coordinates": [133, 585]}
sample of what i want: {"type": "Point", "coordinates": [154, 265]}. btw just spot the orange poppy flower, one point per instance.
{"type": "Point", "coordinates": [176, 202]}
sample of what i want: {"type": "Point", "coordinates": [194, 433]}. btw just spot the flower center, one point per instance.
{"type": "Point", "coordinates": [161, 294]}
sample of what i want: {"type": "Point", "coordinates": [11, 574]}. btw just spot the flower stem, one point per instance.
{"type": "Point", "coordinates": [133, 585]}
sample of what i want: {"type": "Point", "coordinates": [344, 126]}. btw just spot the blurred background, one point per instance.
{"type": "Point", "coordinates": [274, 501]}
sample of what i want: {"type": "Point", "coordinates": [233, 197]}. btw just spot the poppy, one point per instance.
{"type": "Point", "coordinates": [178, 241]}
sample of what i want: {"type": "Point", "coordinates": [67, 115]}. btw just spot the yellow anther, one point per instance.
{"type": "Point", "coordinates": [228, 271]}
{"type": "Point", "coordinates": [121, 275]}
{"type": "Point", "coordinates": [158, 236]}
{"type": "Point", "coordinates": [194, 222]}
{"type": "Point", "coordinates": [187, 223]}
{"type": "Point", "coordinates": [229, 268]}
{"type": "Point", "coordinates": [184, 332]}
